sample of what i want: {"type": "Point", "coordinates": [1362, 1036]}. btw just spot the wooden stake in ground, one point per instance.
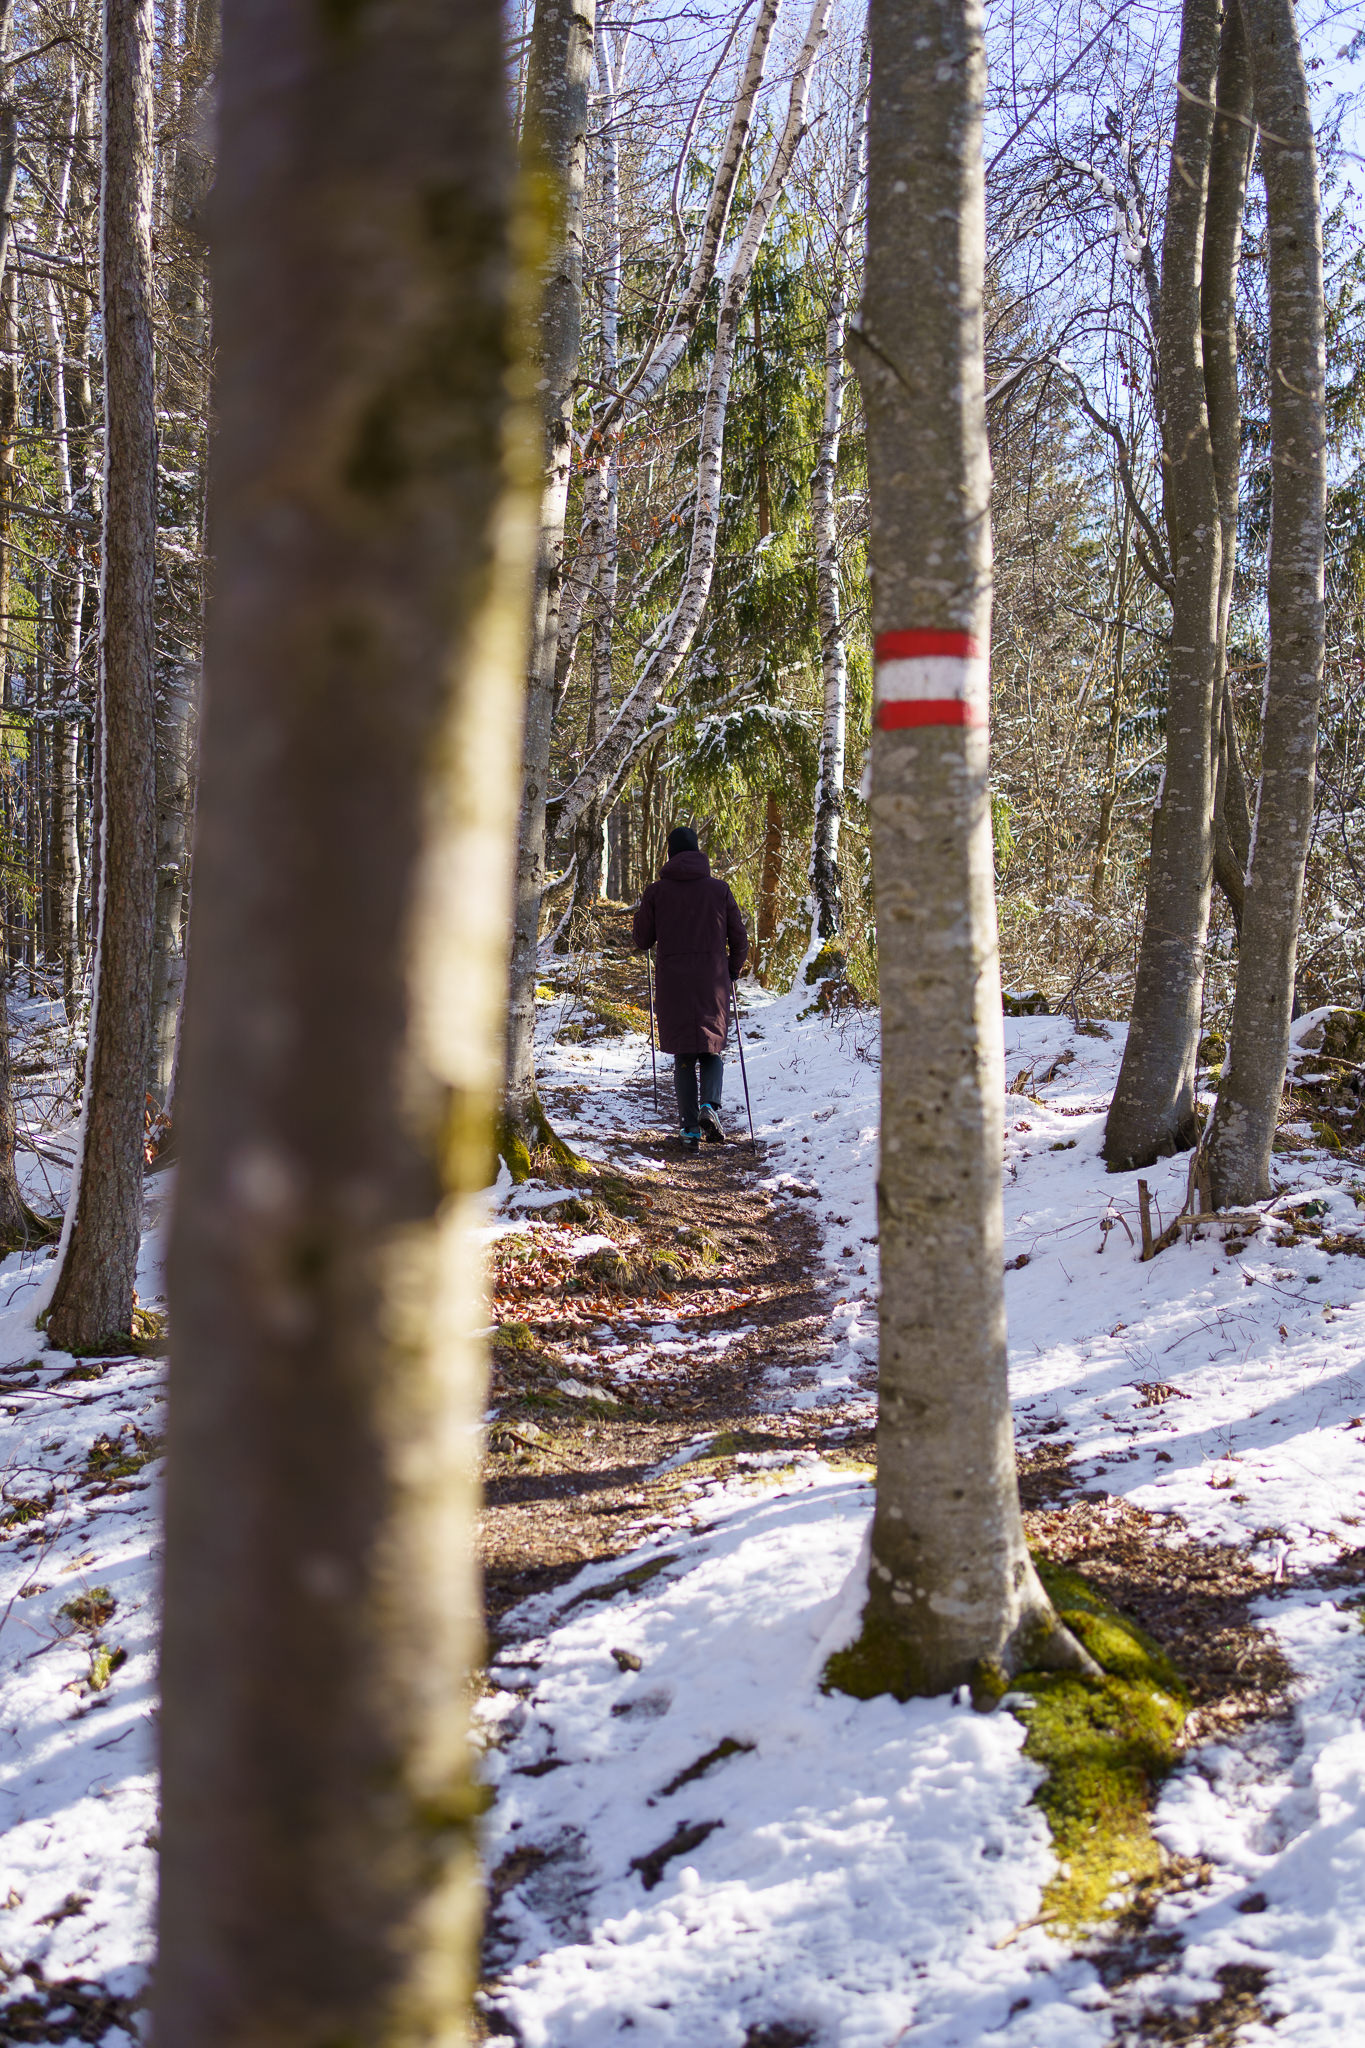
{"type": "Point", "coordinates": [92, 1302]}
{"type": "Point", "coordinates": [1253, 1080]}
{"type": "Point", "coordinates": [952, 1595]}
{"type": "Point", "coordinates": [343, 1045]}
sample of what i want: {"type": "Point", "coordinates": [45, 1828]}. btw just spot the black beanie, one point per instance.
{"type": "Point", "coordinates": [683, 839]}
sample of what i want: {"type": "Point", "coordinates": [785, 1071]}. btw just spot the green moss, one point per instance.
{"type": "Point", "coordinates": [120, 1457]}
{"type": "Point", "coordinates": [1329, 1139]}
{"type": "Point", "coordinates": [515, 1337]}
{"type": "Point", "coordinates": [530, 1144]}
{"type": "Point", "coordinates": [615, 1019]}
{"type": "Point", "coordinates": [104, 1662]}
{"type": "Point", "coordinates": [1105, 1746]}
{"type": "Point", "coordinates": [92, 1609]}
{"type": "Point", "coordinates": [831, 962]}
{"type": "Point", "coordinates": [881, 1660]}
{"type": "Point", "coordinates": [14, 1513]}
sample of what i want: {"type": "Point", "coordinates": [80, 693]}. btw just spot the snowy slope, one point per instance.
{"type": "Point", "coordinates": [845, 1873]}
{"type": "Point", "coordinates": [79, 1530]}
{"type": "Point", "coordinates": [875, 1868]}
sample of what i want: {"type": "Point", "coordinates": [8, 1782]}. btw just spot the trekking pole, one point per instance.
{"type": "Point", "coordinates": [744, 1072]}
{"type": "Point", "coordinates": [653, 1062]}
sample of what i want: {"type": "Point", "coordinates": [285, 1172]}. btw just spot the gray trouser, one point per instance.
{"type": "Point", "coordinates": [685, 1067]}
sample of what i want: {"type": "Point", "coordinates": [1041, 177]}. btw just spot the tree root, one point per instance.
{"type": "Point", "coordinates": [530, 1145]}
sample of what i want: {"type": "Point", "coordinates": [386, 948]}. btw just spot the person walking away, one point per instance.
{"type": "Point", "coordinates": [694, 924]}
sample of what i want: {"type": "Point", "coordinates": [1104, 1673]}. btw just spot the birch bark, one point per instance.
{"type": "Point", "coordinates": [71, 413]}
{"type": "Point", "coordinates": [555, 145]}
{"type": "Point", "coordinates": [657, 364]}
{"type": "Point", "coordinates": [603, 521]}
{"type": "Point", "coordinates": [185, 377]}
{"type": "Point", "coordinates": [92, 1301]}
{"type": "Point", "coordinates": [1153, 1110]}
{"type": "Point", "coordinates": [826, 892]}
{"type": "Point", "coordinates": [952, 1594]}
{"type": "Point", "coordinates": [602, 771]}
{"type": "Point", "coordinates": [1249, 1095]}
{"type": "Point", "coordinates": [11, 1203]}
{"type": "Point", "coordinates": [343, 1052]}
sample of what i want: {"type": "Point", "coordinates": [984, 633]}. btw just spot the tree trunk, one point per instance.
{"type": "Point", "coordinates": [342, 1048]}
{"type": "Point", "coordinates": [1153, 1110]}
{"type": "Point", "coordinates": [92, 1302]}
{"type": "Point", "coordinates": [11, 1203]}
{"type": "Point", "coordinates": [71, 418]}
{"type": "Point", "coordinates": [952, 1594]}
{"type": "Point", "coordinates": [559, 66]}
{"type": "Point", "coordinates": [770, 881]}
{"type": "Point", "coordinates": [826, 890]}
{"type": "Point", "coordinates": [185, 373]}
{"type": "Point", "coordinates": [1229, 163]}
{"type": "Point", "coordinates": [1104, 829]}
{"type": "Point", "coordinates": [1253, 1079]}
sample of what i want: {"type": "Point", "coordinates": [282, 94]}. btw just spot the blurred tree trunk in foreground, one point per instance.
{"type": "Point", "coordinates": [372, 508]}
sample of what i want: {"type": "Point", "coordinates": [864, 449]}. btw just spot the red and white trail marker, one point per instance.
{"type": "Point", "coordinates": [930, 678]}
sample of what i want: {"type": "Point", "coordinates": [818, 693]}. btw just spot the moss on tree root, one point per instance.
{"type": "Point", "coordinates": [529, 1141]}
{"type": "Point", "coordinates": [1105, 1743]}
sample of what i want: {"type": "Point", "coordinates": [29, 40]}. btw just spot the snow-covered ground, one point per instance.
{"type": "Point", "coordinates": [79, 1530]}
{"type": "Point", "coordinates": [692, 1844]}
{"type": "Point", "coordinates": [698, 1847]}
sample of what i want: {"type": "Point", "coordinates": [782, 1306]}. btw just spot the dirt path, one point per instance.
{"type": "Point", "coordinates": [698, 1245]}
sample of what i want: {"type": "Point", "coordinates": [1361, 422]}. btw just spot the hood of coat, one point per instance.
{"type": "Point", "coordinates": [686, 867]}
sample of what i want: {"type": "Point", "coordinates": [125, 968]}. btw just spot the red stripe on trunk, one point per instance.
{"type": "Point", "coordinates": [904, 711]}
{"type": "Point", "coordinates": [899, 646]}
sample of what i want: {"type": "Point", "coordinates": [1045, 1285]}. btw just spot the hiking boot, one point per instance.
{"type": "Point", "coordinates": [691, 1140]}
{"type": "Point", "coordinates": [711, 1126]}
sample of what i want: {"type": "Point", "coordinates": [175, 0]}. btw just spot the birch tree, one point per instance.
{"type": "Point", "coordinates": [952, 1596]}
{"type": "Point", "coordinates": [187, 179]}
{"type": "Point", "coordinates": [556, 141]}
{"type": "Point", "coordinates": [598, 566]}
{"type": "Point", "coordinates": [92, 1301]}
{"type": "Point", "coordinates": [12, 1215]}
{"type": "Point", "coordinates": [636, 717]}
{"type": "Point", "coordinates": [71, 420]}
{"type": "Point", "coordinates": [827, 908]}
{"type": "Point", "coordinates": [373, 506]}
{"type": "Point", "coordinates": [1249, 1094]}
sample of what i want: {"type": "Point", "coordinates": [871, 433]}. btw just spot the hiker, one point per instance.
{"type": "Point", "coordinates": [701, 945]}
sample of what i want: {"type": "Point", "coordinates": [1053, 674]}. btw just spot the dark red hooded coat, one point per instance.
{"type": "Point", "coordinates": [695, 923]}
